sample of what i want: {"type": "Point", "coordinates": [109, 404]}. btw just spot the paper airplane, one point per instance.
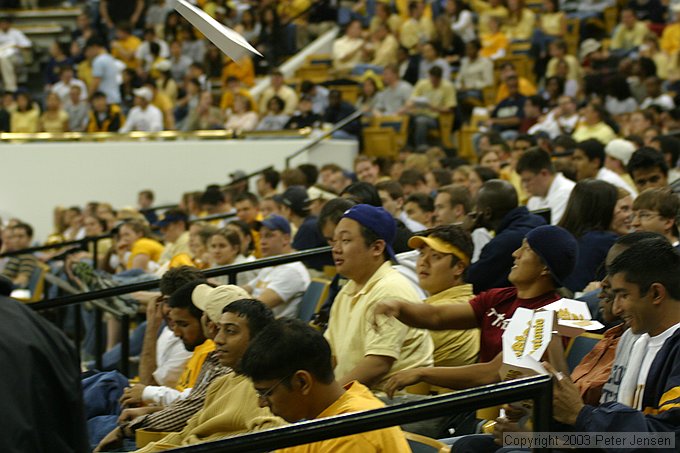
{"type": "Point", "coordinates": [227, 40]}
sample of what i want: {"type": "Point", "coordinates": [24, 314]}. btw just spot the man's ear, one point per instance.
{"type": "Point", "coordinates": [459, 268]}
{"type": "Point", "coordinates": [378, 247]}
{"type": "Point", "coordinates": [303, 380]}
{"type": "Point", "coordinates": [658, 293]}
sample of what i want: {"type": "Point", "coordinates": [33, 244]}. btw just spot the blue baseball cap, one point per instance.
{"type": "Point", "coordinates": [378, 221]}
{"type": "Point", "coordinates": [276, 222]}
{"type": "Point", "coordinates": [172, 216]}
{"type": "Point", "coordinates": [557, 248]}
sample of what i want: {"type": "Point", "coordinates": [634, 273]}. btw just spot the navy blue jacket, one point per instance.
{"type": "Point", "coordinates": [308, 237]}
{"type": "Point", "coordinates": [592, 251]}
{"type": "Point", "coordinates": [660, 402]}
{"type": "Point", "coordinates": [495, 261]}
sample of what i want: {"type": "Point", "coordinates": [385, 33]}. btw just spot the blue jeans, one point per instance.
{"type": "Point", "coordinates": [421, 126]}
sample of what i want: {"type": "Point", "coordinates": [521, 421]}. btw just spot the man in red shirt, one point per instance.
{"type": "Point", "coordinates": [547, 255]}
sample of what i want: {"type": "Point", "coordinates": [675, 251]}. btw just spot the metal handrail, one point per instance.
{"type": "Point", "coordinates": [159, 208]}
{"type": "Point", "coordinates": [230, 270]}
{"type": "Point", "coordinates": [57, 245]}
{"type": "Point", "coordinates": [536, 388]}
{"type": "Point", "coordinates": [336, 127]}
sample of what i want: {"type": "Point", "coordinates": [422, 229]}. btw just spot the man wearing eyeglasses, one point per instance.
{"type": "Point", "coordinates": [291, 367]}
{"type": "Point", "coordinates": [655, 211]}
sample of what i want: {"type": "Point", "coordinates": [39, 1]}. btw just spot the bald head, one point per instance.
{"type": "Point", "coordinates": [496, 198]}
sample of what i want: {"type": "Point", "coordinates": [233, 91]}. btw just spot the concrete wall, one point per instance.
{"type": "Point", "coordinates": [38, 176]}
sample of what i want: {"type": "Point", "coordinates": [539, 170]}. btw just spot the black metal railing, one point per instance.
{"type": "Point", "coordinates": [336, 127]}
{"type": "Point", "coordinates": [536, 388]}
{"type": "Point", "coordinates": [82, 243]}
{"type": "Point", "coordinates": [159, 208]}
{"type": "Point", "coordinates": [231, 270]}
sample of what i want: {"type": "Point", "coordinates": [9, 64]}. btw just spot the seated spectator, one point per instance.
{"type": "Point", "coordinates": [629, 34]}
{"type": "Point", "coordinates": [547, 255]}
{"type": "Point", "coordinates": [282, 91]}
{"type": "Point", "coordinates": [143, 116]}
{"type": "Point", "coordinates": [475, 74]}
{"type": "Point", "coordinates": [78, 111]}
{"type": "Point", "coordinates": [125, 46]}
{"type": "Point", "coordinates": [649, 169]}
{"type": "Point", "coordinates": [559, 53]}
{"type": "Point", "coordinates": [588, 216]}
{"type": "Point", "coordinates": [639, 407]}
{"type": "Point", "coordinates": [444, 254]}
{"type": "Point", "coordinates": [274, 118]}
{"type": "Point", "coordinates": [318, 95]}
{"type": "Point", "coordinates": [494, 43]}
{"type": "Point", "coordinates": [347, 50]}
{"type": "Point", "coordinates": [59, 57]}
{"type": "Point", "coordinates": [54, 118]}
{"type": "Point", "coordinates": [368, 93]}
{"type": "Point", "coordinates": [12, 41]}
{"type": "Point", "coordinates": [232, 405]}
{"type": "Point", "coordinates": [418, 28]}
{"type": "Point", "coordinates": [364, 235]}
{"type": "Point", "coordinates": [593, 125]}
{"type": "Point", "coordinates": [241, 117]}
{"type": "Point", "coordinates": [104, 117]}
{"type": "Point", "coordinates": [451, 205]}
{"type": "Point", "coordinates": [526, 88]}
{"type": "Point", "coordinates": [656, 96]}
{"type": "Point", "coordinates": [144, 54]}
{"type": "Point", "coordinates": [305, 116]}
{"type": "Point", "coordinates": [619, 100]}
{"type": "Point", "coordinates": [205, 116]}
{"type": "Point", "coordinates": [519, 25]}
{"type": "Point", "coordinates": [161, 101]}
{"type": "Point", "coordinates": [656, 211]}
{"type": "Point", "coordinates": [430, 57]}
{"type": "Point", "coordinates": [26, 117]}
{"type": "Point", "coordinates": [242, 69]}
{"type": "Point", "coordinates": [234, 88]}
{"type": "Point", "coordinates": [66, 80]}
{"type": "Point", "coordinates": [508, 114]}
{"type": "Point", "coordinates": [394, 95]}
{"type": "Point", "coordinates": [291, 367]}
{"type": "Point", "coordinates": [382, 50]}
{"type": "Point", "coordinates": [561, 120]}
{"type": "Point", "coordinates": [279, 287]}
{"type": "Point", "coordinates": [337, 111]}
{"type": "Point", "coordinates": [135, 249]}
{"type": "Point", "coordinates": [224, 248]}
{"type": "Point", "coordinates": [19, 268]}
{"type": "Point", "coordinates": [589, 158]}
{"type": "Point", "coordinates": [180, 62]}
{"type": "Point", "coordinates": [430, 98]}
{"type": "Point", "coordinates": [498, 210]}
{"type": "Point", "coordinates": [548, 189]}
{"type": "Point", "coordinates": [392, 196]}
{"type": "Point", "coordinates": [420, 208]}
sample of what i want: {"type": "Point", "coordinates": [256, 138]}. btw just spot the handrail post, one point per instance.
{"type": "Point", "coordinates": [95, 255]}
{"type": "Point", "coordinates": [232, 278]}
{"type": "Point", "coordinates": [543, 411]}
{"type": "Point", "coordinates": [77, 328]}
{"type": "Point", "coordinates": [125, 345]}
{"type": "Point", "coordinates": [98, 346]}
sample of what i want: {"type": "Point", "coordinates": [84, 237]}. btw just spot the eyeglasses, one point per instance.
{"type": "Point", "coordinates": [264, 395]}
{"type": "Point", "coordinates": [643, 215]}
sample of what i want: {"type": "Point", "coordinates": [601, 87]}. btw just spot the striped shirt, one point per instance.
{"type": "Point", "coordinates": [175, 416]}
{"type": "Point", "coordinates": [20, 265]}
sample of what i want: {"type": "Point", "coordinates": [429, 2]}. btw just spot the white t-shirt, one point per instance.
{"type": "Point", "coordinates": [556, 198]}
{"type": "Point", "coordinates": [605, 174]}
{"type": "Point", "coordinates": [148, 120]}
{"type": "Point", "coordinates": [654, 344]}
{"type": "Point", "coordinates": [171, 356]}
{"type": "Point", "coordinates": [289, 281]}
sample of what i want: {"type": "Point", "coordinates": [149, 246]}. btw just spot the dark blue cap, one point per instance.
{"type": "Point", "coordinates": [172, 216]}
{"type": "Point", "coordinates": [378, 221]}
{"type": "Point", "coordinates": [276, 222]}
{"type": "Point", "coordinates": [556, 247]}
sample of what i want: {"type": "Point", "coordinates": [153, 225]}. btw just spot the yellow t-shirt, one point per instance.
{"type": "Point", "coordinates": [454, 347]}
{"type": "Point", "coordinates": [145, 246]}
{"type": "Point", "coordinates": [54, 123]}
{"type": "Point", "coordinates": [526, 88]}
{"type": "Point", "coordinates": [444, 96]}
{"type": "Point", "coordinates": [522, 28]}
{"type": "Point", "coordinates": [356, 398]}
{"type": "Point", "coordinates": [600, 131]}
{"type": "Point", "coordinates": [352, 335]}
{"type": "Point", "coordinates": [551, 23]}
{"type": "Point", "coordinates": [231, 407]}
{"type": "Point", "coordinates": [129, 45]}
{"type": "Point", "coordinates": [670, 39]}
{"type": "Point", "coordinates": [193, 365]}
{"type": "Point", "coordinates": [26, 122]}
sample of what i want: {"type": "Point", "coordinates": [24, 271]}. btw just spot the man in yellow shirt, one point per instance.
{"type": "Point", "coordinates": [362, 252]}
{"type": "Point", "coordinates": [290, 365]}
{"type": "Point", "coordinates": [630, 33]}
{"type": "Point", "coordinates": [124, 47]}
{"type": "Point", "coordinates": [445, 253]}
{"type": "Point", "coordinates": [670, 38]}
{"type": "Point", "coordinates": [430, 98]}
